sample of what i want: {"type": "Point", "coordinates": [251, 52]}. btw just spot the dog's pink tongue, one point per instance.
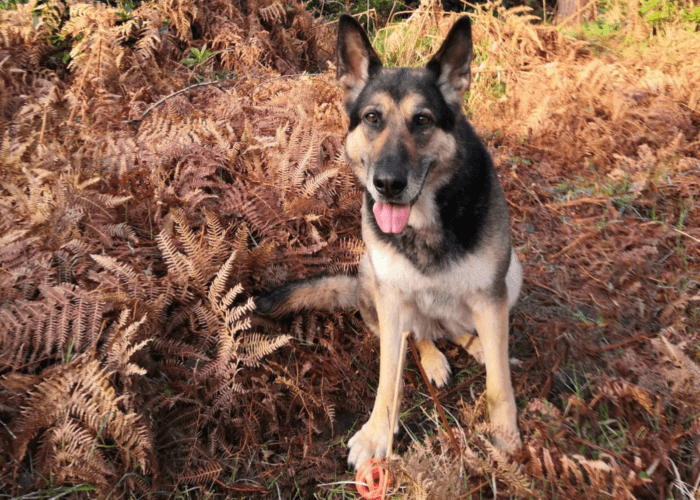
{"type": "Point", "coordinates": [390, 217]}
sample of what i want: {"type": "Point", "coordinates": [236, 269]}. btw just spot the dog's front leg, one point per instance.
{"type": "Point", "coordinates": [372, 440]}
{"type": "Point", "coordinates": [491, 321]}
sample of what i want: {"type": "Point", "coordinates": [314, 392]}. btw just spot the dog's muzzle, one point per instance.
{"type": "Point", "coordinates": [395, 183]}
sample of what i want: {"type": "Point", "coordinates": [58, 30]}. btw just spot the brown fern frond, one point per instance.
{"type": "Point", "coordinates": [317, 181]}
{"type": "Point", "coordinates": [201, 474]}
{"type": "Point", "coordinates": [216, 236]}
{"type": "Point", "coordinates": [256, 346]}
{"type": "Point", "coordinates": [82, 392]}
{"type": "Point", "coordinates": [9, 246]}
{"type": "Point", "coordinates": [122, 270]}
{"type": "Point", "coordinates": [217, 286]}
{"type": "Point", "coordinates": [68, 319]}
{"type": "Point", "coordinates": [506, 469]}
{"type": "Point", "coordinates": [272, 13]}
{"type": "Point", "coordinates": [177, 264]}
{"type": "Point", "coordinates": [121, 344]}
{"type": "Point", "coordinates": [70, 446]}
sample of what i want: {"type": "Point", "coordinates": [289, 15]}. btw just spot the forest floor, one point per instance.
{"type": "Point", "coordinates": [163, 164]}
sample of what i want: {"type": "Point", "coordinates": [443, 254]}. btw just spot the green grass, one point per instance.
{"type": "Point", "coordinates": [413, 53]}
{"type": "Point", "coordinates": [58, 492]}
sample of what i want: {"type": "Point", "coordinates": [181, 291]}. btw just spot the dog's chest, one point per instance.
{"type": "Point", "coordinates": [438, 295]}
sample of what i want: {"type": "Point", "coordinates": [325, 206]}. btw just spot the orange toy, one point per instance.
{"type": "Point", "coordinates": [375, 478]}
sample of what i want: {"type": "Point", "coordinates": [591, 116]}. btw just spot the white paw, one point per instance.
{"type": "Point", "coordinates": [369, 442]}
{"type": "Point", "coordinates": [509, 442]}
{"type": "Point", "coordinates": [436, 368]}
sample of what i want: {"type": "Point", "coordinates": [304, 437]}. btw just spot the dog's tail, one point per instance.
{"type": "Point", "coordinates": [326, 294]}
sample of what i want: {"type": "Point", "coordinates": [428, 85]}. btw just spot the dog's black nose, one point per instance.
{"type": "Point", "coordinates": [389, 185]}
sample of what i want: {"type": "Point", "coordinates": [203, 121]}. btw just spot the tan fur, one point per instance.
{"type": "Point", "coordinates": [403, 305]}
{"type": "Point", "coordinates": [330, 293]}
{"type": "Point", "coordinates": [355, 145]}
{"type": "Point", "coordinates": [407, 300]}
{"type": "Point", "coordinates": [448, 303]}
{"type": "Point", "coordinates": [411, 105]}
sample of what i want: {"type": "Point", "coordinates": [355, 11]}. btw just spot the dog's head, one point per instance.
{"type": "Point", "coordinates": [401, 119]}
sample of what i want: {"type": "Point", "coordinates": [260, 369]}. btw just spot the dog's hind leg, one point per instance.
{"type": "Point", "coordinates": [514, 278]}
{"type": "Point", "coordinates": [472, 344]}
{"type": "Point", "coordinates": [434, 363]}
{"type": "Point", "coordinates": [491, 321]}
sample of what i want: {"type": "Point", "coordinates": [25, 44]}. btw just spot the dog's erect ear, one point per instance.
{"type": "Point", "coordinates": [356, 57]}
{"type": "Point", "coordinates": [453, 59]}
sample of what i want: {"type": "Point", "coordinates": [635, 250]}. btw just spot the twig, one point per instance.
{"type": "Point", "coordinates": [474, 490]}
{"type": "Point", "coordinates": [578, 440]}
{"type": "Point", "coordinates": [548, 383]}
{"type": "Point", "coordinates": [241, 489]}
{"type": "Point", "coordinates": [686, 234]}
{"type": "Point", "coordinates": [678, 482]}
{"type": "Point", "coordinates": [579, 201]}
{"type": "Point", "coordinates": [573, 244]}
{"type": "Point", "coordinates": [44, 119]}
{"type": "Point", "coordinates": [576, 14]}
{"type": "Point", "coordinates": [545, 287]}
{"type": "Point", "coordinates": [525, 188]}
{"type": "Point", "coordinates": [464, 384]}
{"type": "Point", "coordinates": [397, 386]}
{"type": "Point", "coordinates": [544, 12]}
{"type": "Point", "coordinates": [395, 405]}
{"type": "Point", "coordinates": [611, 347]}
{"type": "Point", "coordinates": [431, 390]}
{"type": "Point", "coordinates": [8, 429]}
{"type": "Point", "coordinates": [585, 271]}
{"type": "Point", "coordinates": [161, 101]}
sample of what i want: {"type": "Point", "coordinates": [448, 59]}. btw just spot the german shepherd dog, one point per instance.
{"type": "Point", "coordinates": [438, 260]}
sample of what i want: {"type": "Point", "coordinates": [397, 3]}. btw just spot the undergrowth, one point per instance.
{"type": "Point", "coordinates": [162, 163]}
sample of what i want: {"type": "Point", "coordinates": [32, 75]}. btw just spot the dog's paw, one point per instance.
{"type": "Point", "coordinates": [436, 367]}
{"type": "Point", "coordinates": [369, 442]}
{"type": "Point", "coordinates": [472, 344]}
{"type": "Point", "coordinates": [506, 441]}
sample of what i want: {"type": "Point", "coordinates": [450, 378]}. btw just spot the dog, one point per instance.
{"type": "Point", "coordinates": [438, 259]}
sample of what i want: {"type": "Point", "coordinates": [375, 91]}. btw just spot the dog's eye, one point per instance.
{"type": "Point", "coordinates": [422, 120]}
{"type": "Point", "coordinates": [372, 117]}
